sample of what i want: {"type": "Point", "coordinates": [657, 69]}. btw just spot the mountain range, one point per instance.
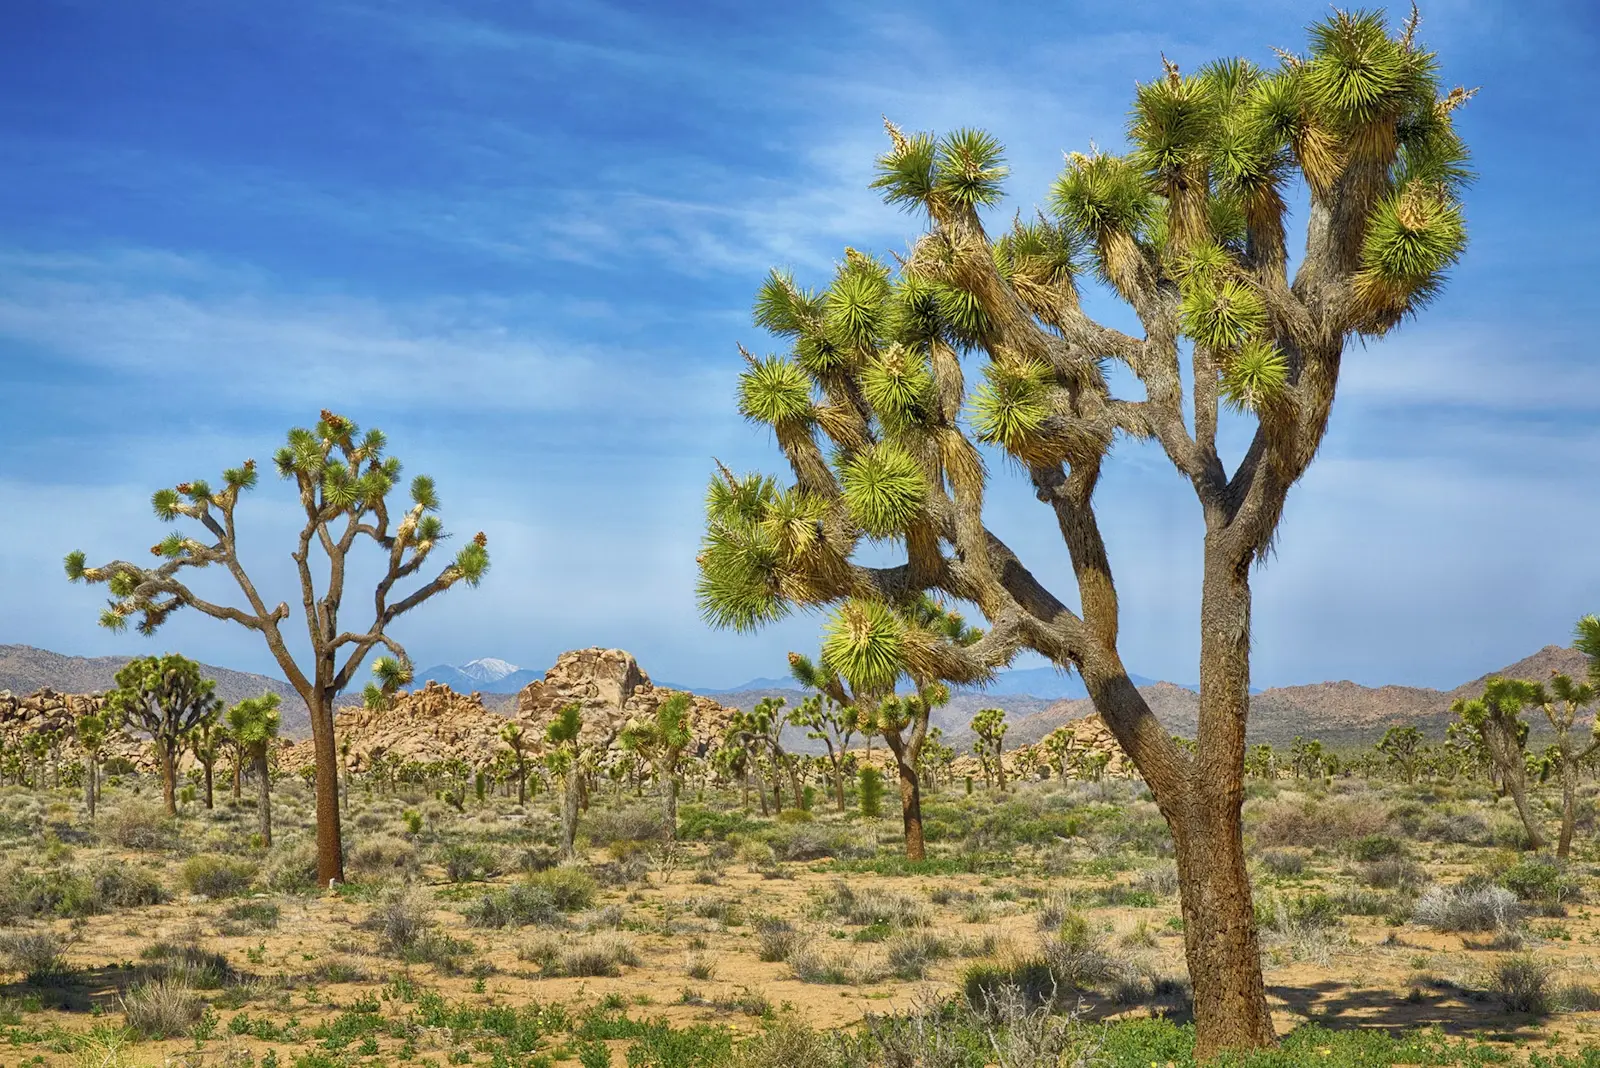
{"type": "Point", "coordinates": [1036, 700]}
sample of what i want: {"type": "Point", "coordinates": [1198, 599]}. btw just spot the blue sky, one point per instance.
{"type": "Point", "coordinates": [523, 239]}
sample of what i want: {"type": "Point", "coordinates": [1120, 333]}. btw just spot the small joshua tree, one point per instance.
{"type": "Point", "coordinates": [516, 740]}
{"type": "Point", "coordinates": [660, 740]}
{"type": "Point", "coordinates": [166, 698]}
{"type": "Point", "coordinates": [568, 760]}
{"type": "Point", "coordinates": [1561, 704]}
{"type": "Point", "coordinates": [253, 724]}
{"type": "Point", "coordinates": [989, 725]}
{"type": "Point", "coordinates": [206, 742]}
{"type": "Point", "coordinates": [760, 731]}
{"type": "Point", "coordinates": [1496, 719]}
{"type": "Point", "coordinates": [93, 731]}
{"type": "Point", "coordinates": [1403, 748]}
{"type": "Point", "coordinates": [344, 481]}
{"type": "Point", "coordinates": [827, 716]}
{"type": "Point", "coordinates": [1061, 743]}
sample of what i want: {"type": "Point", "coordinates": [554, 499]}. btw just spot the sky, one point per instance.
{"type": "Point", "coordinates": [523, 240]}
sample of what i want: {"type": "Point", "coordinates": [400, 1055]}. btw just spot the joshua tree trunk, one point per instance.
{"type": "Point", "coordinates": [169, 777]}
{"type": "Point", "coordinates": [238, 769]}
{"type": "Point", "coordinates": [263, 798]}
{"type": "Point", "coordinates": [1569, 804]}
{"type": "Point", "coordinates": [1514, 780]}
{"type": "Point", "coordinates": [669, 790]}
{"type": "Point", "coordinates": [522, 783]}
{"type": "Point", "coordinates": [1201, 801]}
{"type": "Point", "coordinates": [330, 844]}
{"type": "Point", "coordinates": [569, 814]}
{"type": "Point", "coordinates": [905, 758]}
{"type": "Point", "coordinates": [999, 765]}
{"type": "Point", "coordinates": [209, 797]}
{"type": "Point", "coordinates": [90, 768]}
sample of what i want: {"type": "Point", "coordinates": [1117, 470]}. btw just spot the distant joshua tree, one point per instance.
{"type": "Point", "coordinates": [165, 697]}
{"type": "Point", "coordinates": [989, 725]}
{"type": "Point", "coordinates": [344, 480]}
{"type": "Point", "coordinates": [253, 724]}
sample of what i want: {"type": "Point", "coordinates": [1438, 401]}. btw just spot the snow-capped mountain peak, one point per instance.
{"type": "Point", "coordinates": [487, 669]}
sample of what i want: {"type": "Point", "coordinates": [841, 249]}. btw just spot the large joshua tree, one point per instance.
{"type": "Point", "coordinates": [344, 480]}
{"type": "Point", "coordinates": [1188, 227]}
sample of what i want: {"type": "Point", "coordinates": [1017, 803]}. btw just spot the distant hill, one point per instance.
{"type": "Point", "coordinates": [484, 676]}
{"type": "Point", "coordinates": [24, 669]}
{"type": "Point", "coordinates": [1339, 713]}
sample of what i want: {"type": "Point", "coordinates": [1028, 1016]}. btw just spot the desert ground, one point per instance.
{"type": "Point", "coordinates": [1400, 924]}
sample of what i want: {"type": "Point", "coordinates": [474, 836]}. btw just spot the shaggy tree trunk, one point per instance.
{"type": "Point", "coordinates": [1569, 804]}
{"type": "Point", "coordinates": [838, 783]}
{"type": "Point", "coordinates": [669, 790]}
{"type": "Point", "coordinates": [910, 796]}
{"type": "Point", "coordinates": [1201, 799]}
{"type": "Point", "coordinates": [1000, 764]}
{"type": "Point", "coordinates": [522, 783]}
{"type": "Point", "coordinates": [330, 845]}
{"type": "Point", "coordinates": [169, 777]}
{"type": "Point", "coordinates": [238, 773]}
{"type": "Point", "coordinates": [1514, 779]}
{"type": "Point", "coordinates": [569, 814]}
{"type": "Point", "coordinates": [90, 767]}
{"type": "Point", "coordinates": [209, 797]}
{"type": "Point", "coordinates": [263, 799]}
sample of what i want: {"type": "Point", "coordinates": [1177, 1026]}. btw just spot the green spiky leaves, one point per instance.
{"type": "Point", "coordinates": [1221, 315]}
{"type": "Point", "coordinates": [969, 169]}
{"type": "Point", "coordinates": [74, 565]}
{"type": "Point", "coordinates": [883, 488]}
{"type": "Point", "coordinates": [1254, 375]}
{"type": "Point", "coordinates": [1358, 74]}
{"type": "Point", "coordinates": [906, 171]}
{"type": "Point", "coordinates": [1414, 235]}
{"type": "Point", "coordinates": [424, 493]}
{"type": "Point", "coordinates": [165, 503]}
{"type": "Point", "coordinates": [1101, 195]}
{"type": "Point", "coordinates": [390, 673]}
{"type": "Point", "coordinates": [1011, 405]}
{"type": "Point", "coordinates": [898, 383]}
{"type": "Point", "coordinates": [776, 392]}
{"type": "Point", "coordinates": [863, 643]}
{"type": "Point", "coordinates": [854, 305]}
{"type": "Point", "coordinates": [1171, 125]}
{"type": "Point", "coordinates": [740, 556]}
{"type": "Point", "coordinates": [784, 308]}
{"type": "Point", "coordinates": [472, 562]}
{"type": "Point", "coordinates": [963, 169]}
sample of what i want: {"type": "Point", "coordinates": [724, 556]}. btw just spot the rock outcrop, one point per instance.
{"type": "Point", "coordinates": [423, 726]}
{"type": "Point", "coordinates": [610, 689]}
{"type": "Point", "coordinates": [435, 723]}
{"type": "Point", "coordinates": [48, 710]}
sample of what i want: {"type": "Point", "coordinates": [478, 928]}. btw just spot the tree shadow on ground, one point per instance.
{"type": "Point", "coordinates": [80, 990]}
{"type": "Point", "coordinates": [1456, 1012]}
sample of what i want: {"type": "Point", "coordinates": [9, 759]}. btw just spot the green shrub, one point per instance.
{"type": "Point", "coordinates": [214, 876]}
{"type": "Point", "coordinates": [519, 905]}
{"type": "Point", "coordinates": [988, 986]}
{"type": "Point", "coordinates": [869, 787]}
{"type": "Point", "coordinates": [1522, 983]}
{"type": "Point", "coordinates": [570, 888]}
{"type": "Point", "coordinates": [1544, 882]}
{"type": "Point", "coordinates": [469, 862]}
{"type": "Point", "coordinates": [1377, 847]}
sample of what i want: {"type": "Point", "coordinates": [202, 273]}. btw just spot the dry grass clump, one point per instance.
{"type": "Point", "coordinates": [384, 856]}
{"type": "Point", "coordinates": [890, 908]}
{"type": "Point", "coordinates": [911, 953]}
{"type": "Point", "coordinates": [1469, 908]}
{"type": "Point", "coordinates": [775, 938]}
{"type": "Point", "coordinates": [1289, 860]}
{"type": "Point", "coordinates": [37, 954]}
{"type": "Point", "coordinates": [601, 954]}
{"type": "Point", "coordinates": [162, 1008]}
{"type": "Point", "coordinates": [137, 825]}
{"type": "Point", "coordinates": [1522, 983]}
{"type": "Point", "coordinates": [812, 962]}
{"type": "Point", "coordinates": [1327, 823]}
{"type": "Point", "coordinates": [292, 867]}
